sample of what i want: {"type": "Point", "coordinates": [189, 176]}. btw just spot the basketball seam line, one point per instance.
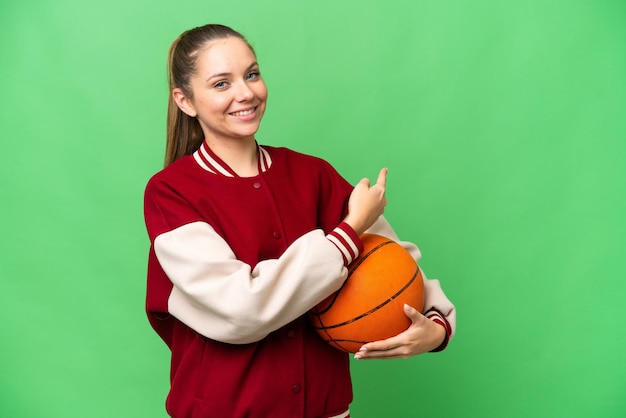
{"type": "Point", "coordinates": [350, 271]}
{"type": "Point", "coordinates": [399, 292]}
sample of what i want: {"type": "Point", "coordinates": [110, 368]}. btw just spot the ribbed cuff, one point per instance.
{"type": "Point", "coordinates": [347, 241]}
{"type": "Point", "coordinates": [436, 316]}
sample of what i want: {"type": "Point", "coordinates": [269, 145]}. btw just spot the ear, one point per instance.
{"type": "Point", "coordinates": [183, 102]}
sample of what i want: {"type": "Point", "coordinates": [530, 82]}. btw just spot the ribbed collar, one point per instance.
{"type": "Point", "coordinates": [210, 162]}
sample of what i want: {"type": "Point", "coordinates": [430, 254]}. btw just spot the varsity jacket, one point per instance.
{"type": "Point", "coordinates": [234, 266]}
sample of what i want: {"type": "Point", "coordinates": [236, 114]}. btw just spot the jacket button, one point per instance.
{"type": "Point", "coordinates": [257, 185]}
{"type": "Point", "coordinates": [276, 235]}
{"type": "Point", "coordinates": [296, 388]}
{"type": "Point", "coordinates": [291, 333]}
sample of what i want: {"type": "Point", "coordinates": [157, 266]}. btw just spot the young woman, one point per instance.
{"type": "Point", "coordinates": [245, 239]}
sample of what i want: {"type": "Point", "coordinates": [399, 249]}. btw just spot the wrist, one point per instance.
{"type": "Point", "coordinates": [354, 224]}
{"type": "Point", "coordinates": [439, 335]}
{"type": "Point", "coordinates": [443, 328]}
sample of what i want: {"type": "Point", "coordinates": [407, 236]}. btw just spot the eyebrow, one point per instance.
{"type": "Point", "coordinates": [254, 64]}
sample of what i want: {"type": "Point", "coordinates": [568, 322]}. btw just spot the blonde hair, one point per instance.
{"type": "Point", "coordinates": [184, 134]}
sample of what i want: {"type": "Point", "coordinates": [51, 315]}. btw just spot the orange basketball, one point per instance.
{"type": "Point", "coordinates": [369, 305]}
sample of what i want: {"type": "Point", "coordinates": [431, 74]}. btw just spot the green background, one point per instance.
{"type": "Point", "coordinates": [502, 124]}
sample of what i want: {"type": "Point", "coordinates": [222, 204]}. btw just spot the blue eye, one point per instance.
{"type": "Point", "coordinates": [220, 84]}
{"type": "Point", "coordinates": [253, 75]}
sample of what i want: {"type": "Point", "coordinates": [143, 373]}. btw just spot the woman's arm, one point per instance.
{"type": "Point", "coordinates": [437, 307]}
{"type": "Point", "coordinates": [224, 299]}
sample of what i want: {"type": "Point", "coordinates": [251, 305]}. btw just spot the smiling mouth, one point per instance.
{"type": "Point", "coordinates": [243, 112]}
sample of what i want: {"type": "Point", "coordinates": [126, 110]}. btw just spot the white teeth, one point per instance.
{"type": "Point", "coordinates": [243, 112]}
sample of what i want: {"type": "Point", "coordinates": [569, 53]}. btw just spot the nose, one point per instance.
{"type": "Point", "coordinates": [243, 92]}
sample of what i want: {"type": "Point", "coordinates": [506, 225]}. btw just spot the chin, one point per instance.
{"type": "Point", "coordinates": [248, 132]}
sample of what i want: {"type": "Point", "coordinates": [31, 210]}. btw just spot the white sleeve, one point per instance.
{"type": "Point", "coordinates": [434, 298]}
{"type": "Point", "coordinates": [222, 298]}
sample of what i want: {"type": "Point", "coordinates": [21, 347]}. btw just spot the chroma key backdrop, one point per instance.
{"type": "Point", "coordinates": [503, 127]}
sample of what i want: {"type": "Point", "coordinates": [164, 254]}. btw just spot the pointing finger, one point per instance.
{"type": "Point", "coordinates": [382, 177]}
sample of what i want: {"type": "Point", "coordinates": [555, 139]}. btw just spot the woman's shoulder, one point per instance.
{"type": "Point", "coordinates": [292, 156]}
{"type": "Point", "coordinates": [180, 170]}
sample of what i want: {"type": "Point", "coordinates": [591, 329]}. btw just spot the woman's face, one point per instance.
{"type": "Point", "coordinates": [229, 94]}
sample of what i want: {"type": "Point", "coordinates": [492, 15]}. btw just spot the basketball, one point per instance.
{"type": "Point", "coordinates": [370, 304]}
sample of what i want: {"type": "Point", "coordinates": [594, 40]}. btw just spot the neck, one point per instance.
{"type": "Point", "coordinates": [240, 155]}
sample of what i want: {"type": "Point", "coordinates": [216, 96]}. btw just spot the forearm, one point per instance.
{"type": "Point", "coordinates": [225, 299]}
{"type": "Point", "coordinates": [437, 306]}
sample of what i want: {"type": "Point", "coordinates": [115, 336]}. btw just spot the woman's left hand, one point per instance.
{"type": "Point", "coordinates": [422, 336]}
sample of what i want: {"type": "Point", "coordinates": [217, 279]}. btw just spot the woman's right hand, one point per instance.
{"type": "Point", "coordinates": [367, 203]}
